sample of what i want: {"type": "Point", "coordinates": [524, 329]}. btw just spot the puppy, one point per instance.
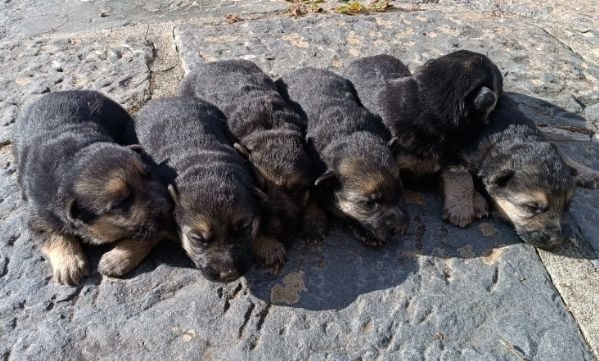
{"type": "Point", "coordinates": [433, 114]}
{"type": "Point", "coordinates": [360, 180]}
{"type": "Point", "coordinates": [210, 183]}
{"type": "Point", "coordinates": [524, 176]}
{"type": "Point", "coordinates": [271, 135]}
{"type": "Point", "coordinates": [80, 184]}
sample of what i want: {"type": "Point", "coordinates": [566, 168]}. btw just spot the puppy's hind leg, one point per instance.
{"type": "Point", "coordinates": [584, 176]}
{"type": "Point", "coordinates": [69, 264]}
{"type": "Point", "coordinates": [461, 201]}
{"type": "Point", "coordinates": [269, 252]}
{"type": "Point", "coordinates": [125, 256]}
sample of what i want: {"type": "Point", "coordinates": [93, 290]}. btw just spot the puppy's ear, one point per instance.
{"type": "Point", "coordinates": [326, 176]}
{"type": "Point", "coordinates": [73, 212]}
{"type": "Point", "coordinates": [393, 143]}
{"type": "Point", "coordinates": [260, 195]}
{"type": "Point", "coordinates": [136, 148]}
{"type": "Point", "coordinates": [499, 179]}
{"type": "Point", "coordinates": [172, 191]}
{"type": "Point", "coordinates": [242, 149]}
{"type": "Point", "coordinates": [255, 227]}
{"type": "Point", "coordinates": [484, 99]}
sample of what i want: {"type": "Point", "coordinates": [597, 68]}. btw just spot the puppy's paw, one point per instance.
{"type": "Point", "coordinates": [69, 269]}
{"type": "Point", "coordinates": [481, 206]}
{"type": "Point", "coordinates": [115, 264]}
{"type": "Point", "coordinates": [269, 253]}
{"type": "Point", "coordinates": [588, 180]}
{"type": "Point", "coordinates": [459, 214]}
{"type": "Point", "coordinates": [315, 226]}
{"type": "Point", "coordinates": [315, 232]}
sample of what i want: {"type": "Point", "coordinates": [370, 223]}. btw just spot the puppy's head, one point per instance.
{"type": "Point", "coordinates": [462, 87]}
{"type": "Point", "coordinates": [532, 190]}
{"type": "Point", "coordinates": [216, 223]}
{"type": "Point", "coordinates": [112, 194]}
{"type": "Point", "coordinates": [283, 172]}
{"type": "Point", "coordinates": [365, 187]}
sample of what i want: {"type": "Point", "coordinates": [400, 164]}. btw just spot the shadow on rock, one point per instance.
{"type": "Point", "coordinates": [333, 274]}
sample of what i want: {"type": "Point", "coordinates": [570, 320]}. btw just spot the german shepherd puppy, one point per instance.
{"type": "Point", "coordinates": [360, 181]}
{"type": "Point", "coordinates": [270, 133]}
{"type": "Point", "coordinates": [80, 184]}
{"type": "Point", "coordinates": [211, 184]}
{"type": "Point", "coordinates": [433, 114]}
{"type": "Point", "coordinates": [525, 177]}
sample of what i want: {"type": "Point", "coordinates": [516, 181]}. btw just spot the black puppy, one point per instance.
{"type": "Point", "coordinates": [79, 183]}
{"type": "Point", "coordinates": [525, 177]}
{"type": "Point", "coordinates": [360, 180]}
{"type": "Point", "coordinates": [271, 134]}
{"type": "Point", "coordinates": [211, 184]}
{"type": "Point", "coordinates": [433, 114]}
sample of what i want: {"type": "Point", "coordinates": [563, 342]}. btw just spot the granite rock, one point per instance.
{"type": "Point", "coordinates": [34, 67]}
{"type": "Point", "coordinates": [439, 293]}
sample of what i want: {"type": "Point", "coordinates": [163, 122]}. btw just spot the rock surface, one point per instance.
{"type": "Point", "coordinates": [440, 293]}
{"type": "Point", "coordinates": [32, 68]}
{"type": "Point", "coordinates": [31, 17]}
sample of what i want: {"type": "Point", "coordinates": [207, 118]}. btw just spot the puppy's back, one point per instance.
{"type": "Point", "coordinates": [370, 75]}
{"type": "Point", "coordinates": [55, 127]}
{"type": "Point", "coordinates": [191, 135]}
{"type": "Point", "coordinates": [76, 112]}
{"type": "Point", "coordinates": [331, 105]}
{"type": "Point", "coordinates": [246, 95]}
{"type": "Point", "coordinates": [223, 82]}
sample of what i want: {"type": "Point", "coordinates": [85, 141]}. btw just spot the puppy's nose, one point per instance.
{"type": "Point", "coordinates": [398, 219]}
{"type": "Point", "coordinates": [228, 275]}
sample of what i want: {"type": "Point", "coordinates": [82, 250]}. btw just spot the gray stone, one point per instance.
{"type": "Point", "coordinates": [439, 293]}
{"type": "Point", "coordinates": [519, 49]}
{"type": "Point", "coordinates": [33, 67]}
{"type": "Point", "coordinates": [31, 17]}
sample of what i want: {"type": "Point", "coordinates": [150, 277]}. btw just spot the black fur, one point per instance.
{"type": "Point", "coordinates": [340, 132]}
{"type": "Point", "coordinates": [268, 127]}
{"type": "Point", "coordinates": [63, 138]}
{"type": "Point", "coordinates": [436, 111]}
{"type": "Point", "coordinates": [189, 140]}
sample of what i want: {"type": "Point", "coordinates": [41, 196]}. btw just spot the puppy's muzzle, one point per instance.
{"type": "Point", "coordinates": [397, 221]}
{"type": "Point", "coordinates": [547, 239]}
{"type": "Point", "coordinates": [225, 266]}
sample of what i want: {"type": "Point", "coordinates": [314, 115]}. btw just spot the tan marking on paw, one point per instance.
{"type": "Point", "coordinates": [269, 252]}
{"type": "Point", "coordinates": [125, 256]}
{"type": "Point", "coordinates": [458, 192]}
{"type": "Point", "coordinates": [69, 264]}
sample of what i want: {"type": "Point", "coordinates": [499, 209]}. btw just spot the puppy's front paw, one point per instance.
{"type": "Point", "coordinates": [460, 213]}
{"type": "Point", "coordinates": [481, 206]}
{"type": "Point", "coordinates": [269, 253]}
{"type": "Point", "coordinates": [69, 269]}
{"type": "Point", "coordinates": [588, 180]}
{"type": "Point", "coordinates": [115, 264]}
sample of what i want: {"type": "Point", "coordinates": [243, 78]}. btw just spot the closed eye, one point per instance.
{"type": "Point", "coordinates": [124, 202]}
{"type": "Point", "coordinates": [198, 239]}
{"type": "Point", "coordinates": [372, 200]}
{"type": "Point", "coordinates": [534, 208]}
